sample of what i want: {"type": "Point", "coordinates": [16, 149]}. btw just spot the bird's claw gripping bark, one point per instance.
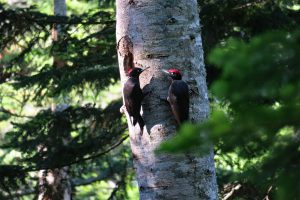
{"type": "Point", "coordinates": [123, 109]}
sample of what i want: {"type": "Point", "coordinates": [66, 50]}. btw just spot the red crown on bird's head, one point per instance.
{"type": "Point", "coordinates": [130, 70]}
{"type": "Point", "coordinates": [175, 71]}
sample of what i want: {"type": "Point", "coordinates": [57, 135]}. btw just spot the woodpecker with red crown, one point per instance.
{"type": "Point", "coordinates": [133, 96]}
{"type": "Point", "coordinates": [178, 96]}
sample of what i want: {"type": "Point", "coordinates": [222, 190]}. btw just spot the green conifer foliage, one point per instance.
{"type": "Point", "coordinates": [257, 119]}
{"type": "Point", "coordinates": [29, 78]}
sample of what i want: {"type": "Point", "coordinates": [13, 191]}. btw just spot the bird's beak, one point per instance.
{"type": "Point", "coordinates": [165, 71]}
{"type": "Point", "coordinates": [145, 69]}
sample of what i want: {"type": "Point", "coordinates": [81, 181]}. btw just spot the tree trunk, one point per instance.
{"type": "Point", "coordinates": [54, 184]}
{"type": "Point", "coordinates": [18, 3]}
{"type": "Point", "coordinates": [163, 34]}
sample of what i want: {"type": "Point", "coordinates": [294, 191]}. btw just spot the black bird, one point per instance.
{"type": "Point", "coordinates": [133, 96]}
{"type": "Point", "coordinates": [178, 96]}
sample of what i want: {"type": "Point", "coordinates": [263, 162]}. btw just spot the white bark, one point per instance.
{"type": "Point", "coordinates": [165, 34]}
{"type": "Point", "coordinates": [55, 184]}
{"type": "Point", "coordinates": [17, 3]}
{"type": "Point", "coordinates": [60, 7]}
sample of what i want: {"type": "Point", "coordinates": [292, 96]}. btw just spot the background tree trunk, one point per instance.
{"type": "Point", "coordinates": [17, 3]}
{"type": "Point", "coordinates": [54, 184]}
{"type": "Point", "coordinates": [165, 34]}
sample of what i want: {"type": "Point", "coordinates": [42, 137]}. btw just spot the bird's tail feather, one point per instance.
{"type": "Point", "coordinates": [140, 121]}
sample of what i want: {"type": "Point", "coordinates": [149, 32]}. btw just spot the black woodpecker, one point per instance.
{"type": "Point", "coordinates": [178, 96]}
{"type": "Point", "coordinates": [133, 96]}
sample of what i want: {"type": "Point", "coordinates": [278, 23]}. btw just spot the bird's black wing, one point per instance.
{"type": "Point", "coordinates": [133, 96]}
{"type": "Point", "coordinates": [179, 100]}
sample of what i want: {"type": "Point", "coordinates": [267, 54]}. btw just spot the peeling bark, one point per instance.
{"type": "Point", "coordinates": [125, 48]}
{"type": "Point", "coordinates": [166, 34]}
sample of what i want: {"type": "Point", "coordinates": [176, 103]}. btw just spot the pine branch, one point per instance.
{"type": "Point", "coordinates": [2, 109]}
{"type": "Point", "coordinates": [34, 168]}
{"type": "Point", "coordinates": [80, 182]}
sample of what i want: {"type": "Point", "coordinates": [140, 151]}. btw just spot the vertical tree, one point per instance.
{"type": "Point", "coordinates": [164, 34]}
{"type": "Point", "coordinates": [17, 3]}
{"type": "Point", "coordinates": [54, 184]}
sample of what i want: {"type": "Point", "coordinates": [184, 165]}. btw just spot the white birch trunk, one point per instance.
{"type": "Point", "coordinates": [17, 3]}
{"type": "Point", "coordinates": [54, 184]}
{"type": "Point", "coordinates": [163, 34]}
